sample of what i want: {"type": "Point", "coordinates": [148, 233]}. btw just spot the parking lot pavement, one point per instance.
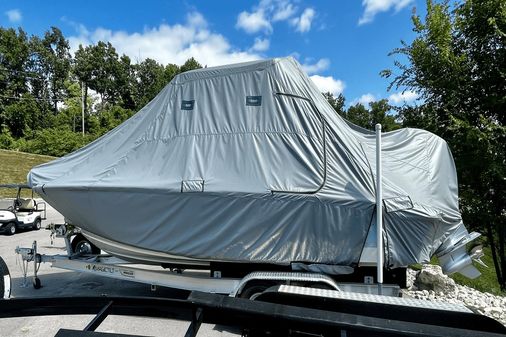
{"type": "Point", "coordinates": [58, 282]}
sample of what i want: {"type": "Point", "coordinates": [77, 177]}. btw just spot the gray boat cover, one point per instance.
{"type": "Point", "coordinates": [249, 163]}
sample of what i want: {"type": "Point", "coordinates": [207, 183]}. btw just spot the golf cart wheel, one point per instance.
{"type": "Point", "coordinates": [83, 246]}
{"type": "Point", "coordinates": [36, 224]}
{"type": "Point", "coordinates": [11, 228]}
{"type": "Point", "coordinates": [36, 283]}
{"type": "Point", "coordinates": [5, 280]}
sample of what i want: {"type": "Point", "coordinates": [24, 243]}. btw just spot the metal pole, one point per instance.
{"type": "Point", "coordinates": [82, 106]}
{"type": "Point", "coordinates": [379, 210]}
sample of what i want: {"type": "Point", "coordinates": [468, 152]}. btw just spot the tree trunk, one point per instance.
{"type": "Point", "coordinates": [55, 99]}
{"type": "Point", "coordinates": [502, 258]}
{"type": "Point", "coordinates": [490, 235]}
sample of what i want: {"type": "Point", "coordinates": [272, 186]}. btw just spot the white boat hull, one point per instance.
{"type": "Point", "coordinates": [139, 255]}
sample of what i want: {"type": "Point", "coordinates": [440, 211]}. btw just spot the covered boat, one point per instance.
{"type": "Point", "coordinates": [248, 163]}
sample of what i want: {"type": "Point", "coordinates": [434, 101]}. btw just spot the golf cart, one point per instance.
{"type": "Point", "coordinates": [23, 214]}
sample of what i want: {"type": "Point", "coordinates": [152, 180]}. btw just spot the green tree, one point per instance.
{"type": "Point", "coordinates": [40, 75]}
{"type": "Point", "coordinates": [83, 68]}
{"type": "Point", "coordinates": [336, 102]}
{"type": "Point", "coordinates": [16, 119]}
{"type": "Point", "coordinates": [170, 71]}
{"type": "Point", "coordinates": [457, 64]}
{"type": "Point", "coordinates": [114, 116]}
{"type": "Point", "coordinates": [70, 114]}
{"type": "Point", "coordinates": [125, 82]}
{"type": "Point", "coordinates": [381, 112]}
{"type": "Point", "coordinates": [150, 81]}
{"type": "Point", "coordinates": [105, 71]}
{"type": "Point", "coordinates": [55, 63]}
{"type": "Point", "coordinates": [14, 57]}
{"type": "Point", "coordinates": [98, 68]}
{"type": "Point", "coordinates": [359, 115]}
{"type": "Point", "coordinates": [190, 64]}
{"type": "Point", "coordinates": [22, 116]}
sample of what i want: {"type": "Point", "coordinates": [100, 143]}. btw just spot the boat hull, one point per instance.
{"type": "Point", "coordinates": [140, 255]}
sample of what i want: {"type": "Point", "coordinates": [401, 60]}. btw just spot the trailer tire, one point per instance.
{"type": "Point", "coordinates": [82, 245]}
{"type": "Point", "coordinates": [254, 289]}
{"type": "Point", "coordinates": [5, 280]}
{"type": "Point", "coordinates": [11, 228]}
{"type": "Point", "coordinates": [37, 224]}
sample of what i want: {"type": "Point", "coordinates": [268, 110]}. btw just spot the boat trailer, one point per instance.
{"type": "Point", "coordinates": [191, 280]}
{"type": "Point", "coordinates": [295, 304]}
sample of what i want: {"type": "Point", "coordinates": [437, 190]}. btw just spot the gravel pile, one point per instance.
{"type": "Point", "coordinates": [431, 284]}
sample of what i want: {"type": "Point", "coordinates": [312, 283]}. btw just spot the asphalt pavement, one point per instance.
{"type": "Point", "coordinates": [58, 282]}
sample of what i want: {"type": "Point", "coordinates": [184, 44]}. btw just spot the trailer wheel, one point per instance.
{"type": "Point", "coordinates": [5, 280]}
{"type": "Point", "coordinates": [253, 292]}
{"type": "Point", "coordinates": [36, 224]}
{"type": "Point", "coordinates": [36, 283]}
{"type": "Point", "coordinates": [254, 289]}
{"type": "Point", "coordinates": [82, 245]}
{"type": "Point", "coordinates": [11, 228]}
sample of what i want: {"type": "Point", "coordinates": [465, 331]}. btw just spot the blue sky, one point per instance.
{"type": "Point", "coordinates": [343, 45]}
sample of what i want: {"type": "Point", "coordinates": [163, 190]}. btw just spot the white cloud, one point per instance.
{"type": "Point", "coordinates": [328, 84]}
{"type": "Point", "coordinates": [260, 44]}
{"type": "Point", "coordinates": [262, 16]}
{"type": "Point", "coordinates": [373, 7]}
{"type": "Point", "coordinates": [253, 22]}
{"type": "Point", "coordinates": [402, 97]}
{"type": "Point", "coordinates": [168, 43]}
{"type": "Point", "coordinates": [303, 23]}
{"type": "Point", "coordinates": [79, 27]}
{"type": "Point", "coordinates": [295, 55]}
{"type": "Point", "coordinates": [195, 19]}
{"type": "Point", "coordinates": [365, 99]}
{"type": "Point", "coordinates": [284, 11]}
{"type": "Point", "coordinates": [14, 15]}
{"type": "Point", "coordinates": [317, 67]}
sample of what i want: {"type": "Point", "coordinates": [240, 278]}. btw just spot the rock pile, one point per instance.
{"type": "Point", "coordinates": [431, 284]}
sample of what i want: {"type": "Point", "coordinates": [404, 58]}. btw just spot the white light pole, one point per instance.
{"type": "Point", "coordinates": [379, 210]}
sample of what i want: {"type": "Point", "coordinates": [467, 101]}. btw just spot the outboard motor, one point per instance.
{"type": "Point", "coordinates": [454, 257]}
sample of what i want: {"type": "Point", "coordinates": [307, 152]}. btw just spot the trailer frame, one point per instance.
{"type": "Point", "coordinates": [257, 318]}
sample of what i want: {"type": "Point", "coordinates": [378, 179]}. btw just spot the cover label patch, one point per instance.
{"type": "Point", "coordinates": [254, 100]}
{"type": "Point", "coordinates": [187, 105]}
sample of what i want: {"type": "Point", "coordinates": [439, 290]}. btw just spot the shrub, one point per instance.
{"type": "Point", "coordinates": [6, 140]}
{"type": "Point", "coordinates": [54, 142]}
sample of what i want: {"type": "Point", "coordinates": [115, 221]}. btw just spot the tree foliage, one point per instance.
{"type": "Point", "coordinates": [41, 85]}
{"type": "Point", "coordinates": [457, 63]}
{"type": "Point", "coordinates": [14, 58]}
{"type": "Point", "coordinates": [336, 102]}
{"type": "Point", "coordinates": [378, 112]}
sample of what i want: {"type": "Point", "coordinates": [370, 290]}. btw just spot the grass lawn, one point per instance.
{"type": "Point", "coordinates": [14, 167]}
